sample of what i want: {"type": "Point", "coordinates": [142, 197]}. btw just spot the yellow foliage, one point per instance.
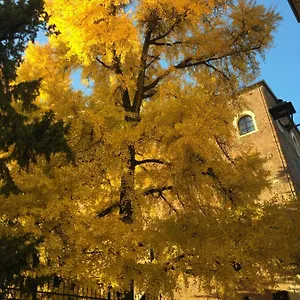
{"type": "Point", "coordinates": [149, 173]}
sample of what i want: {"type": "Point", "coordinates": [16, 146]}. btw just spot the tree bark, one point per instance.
{"type": "Point", "coordinates": [127, 189]}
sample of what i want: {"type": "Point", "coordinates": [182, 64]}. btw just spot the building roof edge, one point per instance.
{"type": "Point", "coordinates": [258, 84]}
{"type": "Point", "coordinates": [266, 86]}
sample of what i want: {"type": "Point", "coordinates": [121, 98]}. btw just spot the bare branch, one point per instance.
{"type": "Point", "coordinates": [173, 26]}
{"type": "Point", "coordinates": [103, 64]}
{"type": "Point", "coordinates": [217, 70]}
{"type": "Point", "coordinates": [95, 144]}
{"type": "Point", "coordinates": [83, 19]}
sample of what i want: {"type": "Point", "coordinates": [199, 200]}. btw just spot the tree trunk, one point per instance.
{"type": "Point", "coordinates": [127, 189]}
{"type": "Point", "coordinates": [129, 295]}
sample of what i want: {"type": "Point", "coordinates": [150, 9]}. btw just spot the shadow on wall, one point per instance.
{"type": "Point", "coordinates": [282, 175]}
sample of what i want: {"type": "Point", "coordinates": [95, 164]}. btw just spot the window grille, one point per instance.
{"type": "Point", "coordinates": [246, 125]}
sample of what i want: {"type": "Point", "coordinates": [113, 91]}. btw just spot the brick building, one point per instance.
{"type": "Point", "coordinates": [277, 140]}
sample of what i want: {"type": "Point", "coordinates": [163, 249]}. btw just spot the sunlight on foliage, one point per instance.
{"type": "Point", "coordinates": [154, 195]}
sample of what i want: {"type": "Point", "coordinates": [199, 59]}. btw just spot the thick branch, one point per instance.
{"type": "Point", "coordinates": [138, 98]}
{"type": "Point", "coordinates": [167, 43]}
{"type": "Point", "coordinates": [107, 210]}
{"type": "Point", "coordinates": [127, 189]}
{"type": "Point", "coordinates": [173, 26]}
{"type": "Point", "coordinates": [117, 63]}
{"type": "Point", "coordinates": [126, 100]}
{"type": "Point", "coordinates": [185, 63]}
{"type": "Point", "coordinates": [154, 83]}
{"type": "Point", "coordinates": [150, 160]}
{"type": "Point", "coordinates": [125, 94]}
{"type": "Point", "coordinates": [158, 190]}
{"type": "Point", "coordinates": [149, 95]}
{"type": "Point", "coordinates": [155, 58]}
{"type": "Point", "coordinates": [217, 70]}
{"type": "Point", "coordinates": [191, 62]}
{"type": "Point", "coordinates": [103, 63]}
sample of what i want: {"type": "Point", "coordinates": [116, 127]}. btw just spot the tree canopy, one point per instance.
{"type": "Point", "coordinates": [154, 196]}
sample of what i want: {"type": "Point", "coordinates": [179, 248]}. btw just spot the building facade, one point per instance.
{"type": "Point", "coordinates": [276, 140]}
{"type": "Point", "coordinates": [258, 128]}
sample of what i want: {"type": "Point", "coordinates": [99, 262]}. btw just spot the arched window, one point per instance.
{"type": "Point", "coordinates": [246, 125]}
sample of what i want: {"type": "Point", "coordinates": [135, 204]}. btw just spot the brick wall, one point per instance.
{"type": "Point", "coordinates": [271, 140]}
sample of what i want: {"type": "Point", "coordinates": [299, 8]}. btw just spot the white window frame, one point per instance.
{"type": "Point", "coordinates": [244, 114]}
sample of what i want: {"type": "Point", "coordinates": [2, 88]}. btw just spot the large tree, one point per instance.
{"type": "Point", "coordinates": [154, 197]}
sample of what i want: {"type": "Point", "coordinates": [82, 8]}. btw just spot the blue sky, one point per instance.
{"type": "Point", "coordinates": [282, 63]}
